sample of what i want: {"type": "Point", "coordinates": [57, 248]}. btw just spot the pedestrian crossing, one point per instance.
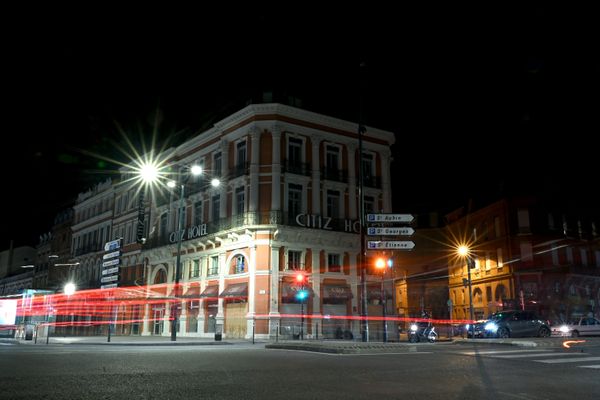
{"type": "Point", "coordinates": [543, 356]}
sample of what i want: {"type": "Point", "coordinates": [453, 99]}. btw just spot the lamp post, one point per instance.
{"type": "Point", "coordinates": [465, 252]}
{"type": "Point", "coordinates": [381, 264]}
{"type": "Point", "coordinates": [194, 170]}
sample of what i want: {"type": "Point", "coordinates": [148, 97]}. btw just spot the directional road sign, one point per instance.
{"type": "Point", "coordinates": [109, 286]}
{"type": "Point", "coordinates": [114, 261]}
{"type": "Point", "coordinates": [111, 278]}
{"type": "Point", "coordinates": [390, 217]}
{"type": "Point", "coordinates": [404, 231]}
{"type": "Point", "coordinates": [393, 245]}
{"type": "Point", "coordinates": [111, 255]}
{"type": "Point", "coordinates": [114, 245]}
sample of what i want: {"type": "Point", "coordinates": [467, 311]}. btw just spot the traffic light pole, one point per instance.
{"type": "Point", "coordinates": [302, 316]}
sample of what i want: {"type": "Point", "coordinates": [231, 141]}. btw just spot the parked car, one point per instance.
{"type": "Point", "coordinates": [505, 324]}
{"type": "Point", "coordinates": [584, 326]}
{"type": "Point", "coordinates": [475, 330]}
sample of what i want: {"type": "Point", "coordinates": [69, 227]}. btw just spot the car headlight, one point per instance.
{"type": "Point", "coordinates": [414, 327]}
{"type": "Point", "coordinates": [467, 326]}
{"type": "Point", "coordinates": [564, 329]}
{"type": "Point", "coordinates": [491, 326]}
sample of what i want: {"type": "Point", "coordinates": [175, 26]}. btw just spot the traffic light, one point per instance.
{"type": "Point", "coordinates": [380, 263]}
{"type": "Point", "coordinates": [301, 292]}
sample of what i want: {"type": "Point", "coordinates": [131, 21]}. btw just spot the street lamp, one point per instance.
{"type": "Point", "coordinates": [194, 170]}
{"type": "Point", "coordinates": [465, 252]}
{"type": "Point", "coordinates": [380, 264]}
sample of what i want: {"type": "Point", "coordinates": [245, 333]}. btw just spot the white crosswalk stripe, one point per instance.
{"type": "Point", "coordinates": [568, 360]}
{"type": "Point", "coordinates": [545, 356]}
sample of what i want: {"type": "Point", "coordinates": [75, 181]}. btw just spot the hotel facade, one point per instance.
{"type": "Point", "coordinates": [288, 201]}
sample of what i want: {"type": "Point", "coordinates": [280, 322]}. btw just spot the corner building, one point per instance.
{"type": "Point", "coordinates": [288, 201]}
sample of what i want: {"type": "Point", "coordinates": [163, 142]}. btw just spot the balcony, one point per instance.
{"type": "Point", "coordinates": [372, 181]}
{"type": "Point", "coordinates": [334, 174]}
{"type": "Point", "coordinates": [239, 170]}
{"type": "Point", "coordinates": [295, 167]}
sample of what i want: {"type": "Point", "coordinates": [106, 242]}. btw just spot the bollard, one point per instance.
{"type": "Point", "coordinates": [277, 334]}
{"type": "Point", "coordinates": [253, 324]}
{"type": "Point", "coordinates": [317, 332]}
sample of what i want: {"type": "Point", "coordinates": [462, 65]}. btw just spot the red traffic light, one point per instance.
{"type": "Point", "coordinates": [300, 278]}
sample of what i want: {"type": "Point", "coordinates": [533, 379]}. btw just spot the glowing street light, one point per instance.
{"type": "Point", "coordinates": [194, 170]}
{"type": "Point", "coordinates": [69, 288]}
{"type": "Point", "coordinates": [465, 252]}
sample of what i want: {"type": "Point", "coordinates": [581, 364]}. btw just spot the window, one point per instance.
{"type": "Point", "coordinates": [294, 200]}
{"type": "Point", "coordinates": [369, 205]}
{"type": "Point", "coordinates": [241, 153]}
{"type": "Point", "coordinates": [497, 229]}
{"type": "Point", "coordinates": [295, 260]}
{"type": "Point", "coordinates": [195, 272]}
{"type": "Point", "coordinates": [500, 261]}
{"type": "Point", "coordinates": [488, 293]}
{"type": "Point", "coordinates": [523, 219]}
{"type": "Point", "coordinates": [240, 200]}
{"type": "Point", "coordinates": [333, 203]}
{"type": "Point", "coordinates": [198, 213]}
{"type": "Point", "coordinates": [333, 158]}
{"type": "Point", "coordinates": [583, 254]}
{"type": "Point", "coordinates": [526, 251]}
{"type": "Point", "coordinates": [217, 164]}
{"type": "Point", "coordinates": [294, 151]}
{"type": "Point", "coordinates": [214, 266]}
{"type": "Point", "coordinates": [163, 225]}
{"type": "Point", "coordinates": [216, 207]}
{"type": "Point", "coordinates": [333, 263]}
{"type": "Point", "coordinates": [368, 164]}
{"type": "Point", "coordinates": [239, 264]}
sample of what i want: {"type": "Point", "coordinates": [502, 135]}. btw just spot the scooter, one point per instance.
{"type": "Point", "coordinates": [421, 333]}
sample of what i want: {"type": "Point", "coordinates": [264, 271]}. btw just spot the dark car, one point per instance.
{"type": "Point", "coordinates": [506, 324]}
{"type": "Point", "coordinates": [475, 329]}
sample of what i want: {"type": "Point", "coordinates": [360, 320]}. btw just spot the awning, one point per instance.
{"type": "Point", "coordinates": [235, 290]}
{"type": "Point", "coordinates": [290, 290]}
{"type": "Point", "coordinates": [210, 291]}
{"type": "Point", "coordinates": [192, 292]}
{"type": "Point", "coordinates": [374, 292]}
{"type": "Point", "coordinates": [337, 292]}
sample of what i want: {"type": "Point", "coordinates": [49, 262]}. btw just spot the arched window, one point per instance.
{"type": "Point", "coordinates": [238, 264]}
{"type": "Point", "coordinates": [161, 277]}
{"type": "Point", "coordinates": [477, 296]}
{"type": "Point", "coordinates": [500, 292]}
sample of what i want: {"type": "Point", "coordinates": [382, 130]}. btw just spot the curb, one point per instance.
{"type": "Point", "coordinates": [506, 342]}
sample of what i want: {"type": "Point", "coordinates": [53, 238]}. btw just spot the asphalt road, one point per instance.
{"type": "Point", "coordinates": [246, 371]}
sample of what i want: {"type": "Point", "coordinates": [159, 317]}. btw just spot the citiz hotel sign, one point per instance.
{"type": "Point", "coordinates": [192, 233]}
{"type": "Point", "coordinates": [327, 223]}
{"type": "Point", "coordinates": [304, 220]}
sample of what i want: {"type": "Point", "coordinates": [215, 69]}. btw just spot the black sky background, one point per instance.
{"type": "Point", "coordinates": [482, 101]}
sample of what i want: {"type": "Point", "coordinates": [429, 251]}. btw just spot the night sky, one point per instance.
{"type": "Point", "coordinates": [482, 101]}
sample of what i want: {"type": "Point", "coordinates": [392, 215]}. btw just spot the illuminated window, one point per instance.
{"type": "Point", "coordinates": [239, 264]}
{"type": "Point", "coordinates": [333, 263]}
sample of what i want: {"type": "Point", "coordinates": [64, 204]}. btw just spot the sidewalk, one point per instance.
{"type": "Point", "coordinates": [130, 341]}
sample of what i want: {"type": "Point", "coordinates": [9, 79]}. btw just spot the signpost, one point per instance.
{"type": "Point", "coordinates": [111, 262]}
{"type": "Point", "coordinates": [380, 230]}
{"type": "Point", "coordinates": [390, 245]}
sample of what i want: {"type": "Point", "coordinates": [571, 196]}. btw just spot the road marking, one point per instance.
{"type": "Point", "coordinates": [539, 355]}
{"type": "Point", "coordinates": [351, 354]}
{"type": "Point", "coordinates": [589, 366]}
{"type": "Point", "coordinates": [474, 353]}
{"type": "Point", "coordinates": [568, 360]}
